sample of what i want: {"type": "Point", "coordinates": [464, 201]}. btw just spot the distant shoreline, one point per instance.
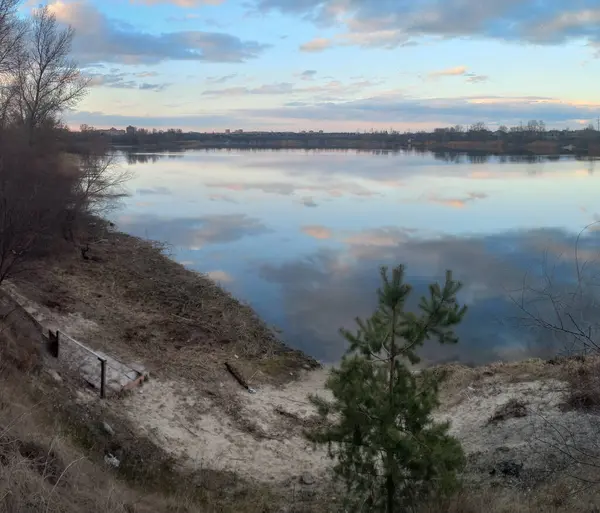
{"type": "Point", "coordinates": [471, 149]}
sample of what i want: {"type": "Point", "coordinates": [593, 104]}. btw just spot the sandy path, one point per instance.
{"type": "Point", "coordinates": [198, 431]}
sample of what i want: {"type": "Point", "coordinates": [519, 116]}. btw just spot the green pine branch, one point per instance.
{"type": "Point", "coordinates": [378, 428]}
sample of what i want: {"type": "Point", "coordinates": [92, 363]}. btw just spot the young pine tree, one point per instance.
{"type": "Point", "coordinates": [379, 428]}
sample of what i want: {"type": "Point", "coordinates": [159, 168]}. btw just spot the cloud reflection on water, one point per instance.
{"type": "Point", "coordinates": [328, 289]}
{"type": "Point", "coordinates": [313, 270]}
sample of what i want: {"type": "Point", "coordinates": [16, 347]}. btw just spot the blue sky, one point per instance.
{"type": "Point", "coordinates": [334, 64]}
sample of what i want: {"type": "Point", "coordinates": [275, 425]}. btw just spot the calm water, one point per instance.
{"type": "Point", "coordinates": [300, 235]}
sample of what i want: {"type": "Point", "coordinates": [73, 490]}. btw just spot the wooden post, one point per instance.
{"type": "Point", "coordinates": [53, 343]}
{"type": "Point", "coordinates": [102, 377]}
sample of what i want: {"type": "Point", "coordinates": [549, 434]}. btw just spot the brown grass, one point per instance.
{"type": "Point", "coordinates": [179, 321]}
{"type": "Point", "coordinates": [557, 497]}
{"type": "Point", "coordinates": [457, 377]}
{"type": "Point", "coordinates": [52, 450]}
{"type": "Point", "coordinates": [583, 378]}
{"type": "Point", "coordinates": [514, 408]}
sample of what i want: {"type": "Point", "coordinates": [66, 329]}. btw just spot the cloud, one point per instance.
{"type": "Point", "coordinates": [458, 202]}
{"type": "Point", "coordinates": [194, 232]}
{"type": "Point", "coordinates": [221, 79]}
{"type": "Point", "coordinates": [145, 86]}
{"type": "Point", "coordinates": [451, 72]}
{"type": "Point", "coordinates": [316, 45]}
{"type": "Point", "coordinates": [476, 79]}
{"type": "Point", "coordinates": [121, 80]}
{"type": "Point", "coordinates": [179, 3]}
{"type": "Point", "coordinates": [309, 202]}
{"type": "Point", "coordinates": [389, 108]}
{"type": "Point", "coordinates": [153, 191]}
{"type": "Point", "coordinates": [332, 188]}
{"type": "Point", "coordinates": [379, 237]}
{"type": "Point", "coordinates": [317, 231]}
{"type": "Point", "coordinates": [221, 197]}
{"type": "Point", "coordinates": [268, 89]}
{"type": "Point", "coordinates": [220, 276]}
{"type": "Point", "coordinates": [388, 24]}
{"type": "Point", "coordinates": [386, 39]}
{"type": "Point", "coordinates": [190, 122]}
{"type": "Point", "coordinates": [459, 71]}
{"type": "Point", "coordinates": [329, 91]}
{"type": "Point", "coordinates": [309, 74]}
{"type": "Point", "coordinates": [102, 39]}
{"type": "Point", "coordinates": [377, 110]}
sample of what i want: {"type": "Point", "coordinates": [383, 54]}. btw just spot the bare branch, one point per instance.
{"type": "Point", "coordinates": [48, 81]}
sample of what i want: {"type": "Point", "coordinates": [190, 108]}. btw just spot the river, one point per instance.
{"type": "Point", "coordinates": [300, 236]}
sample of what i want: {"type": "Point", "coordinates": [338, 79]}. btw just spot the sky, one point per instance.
{"type": "Point", "coordinates": [334, 64]}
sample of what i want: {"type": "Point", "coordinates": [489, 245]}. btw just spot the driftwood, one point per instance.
{"type": "Point", "coordinates": [236, 374]}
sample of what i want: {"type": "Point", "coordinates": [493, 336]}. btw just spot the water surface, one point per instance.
{"type": "Point", "coordinates": [300, 235]}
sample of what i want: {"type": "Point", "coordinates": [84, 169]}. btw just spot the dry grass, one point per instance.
{"type": "Point", "coordinates": [583, 378]}
{"type": "Point", "coordinates": [179, 321]}
{"type": "Point", "coordinates": [514, 408]}
{"type": "Point", "coordinates": [557, 497]}
{"type": "Point", "coordinates": [40, 471]}
{"type": "Point", "coordinates": [458, 378]}
{"type": "Point", "coordinates": [52, 449]}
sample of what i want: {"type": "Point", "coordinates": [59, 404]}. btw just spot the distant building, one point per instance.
{"type": "Point", "coordinates": [227, 131]}
{"type": "Point", "coordinates": [111, 132]}
{"type": "Point", "coordinates": [131, 130]}
{"type": "Point", "coordinates": [239, 131]}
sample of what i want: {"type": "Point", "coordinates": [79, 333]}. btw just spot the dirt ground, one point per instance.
{"type": "Point", "coordinates": [257, 435]}
{"type": "Point", "coordinates": [129, 300]}
{"type": "Point", "coordinates": [181, 321]}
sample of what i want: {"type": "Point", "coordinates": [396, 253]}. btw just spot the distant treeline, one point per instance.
{"type": "Point", "coordinates": [133, 156]}
{"type": "Point", "coordinates": [532, 138]}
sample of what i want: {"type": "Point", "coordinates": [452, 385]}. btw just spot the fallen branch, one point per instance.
{"type": "Point", "coordinates": [235, 373]}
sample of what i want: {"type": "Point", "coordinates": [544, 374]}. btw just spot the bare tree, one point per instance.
{"type": "Point", "coordinates": [12, 32]}
{"type": "Point", "coordinates": [478, 127]}
{"type": "Point", "coordinates": [48, 80]}
{"type": "Point", "coordinates": [100, 183]}
{"type": "Point", "coordinates": [564, 306]}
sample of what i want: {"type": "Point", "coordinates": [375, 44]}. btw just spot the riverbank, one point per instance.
{"type": "Point", "coordinates": [137, 301]}
{"type": "Point", "coordinates": [192, 426]}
